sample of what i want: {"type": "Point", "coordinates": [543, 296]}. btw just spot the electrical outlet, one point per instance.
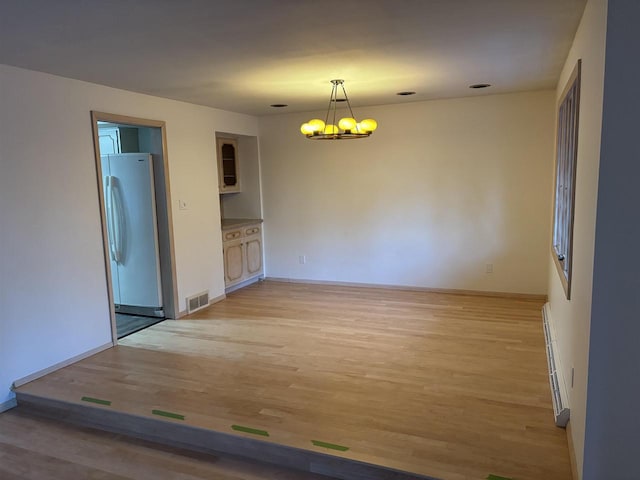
{"type": "Point", "coordinates": [302, 259]}
{"type": "Point", "coordinates": [489, 268]}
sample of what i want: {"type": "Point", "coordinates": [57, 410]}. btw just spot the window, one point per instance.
{"type": "Point", "coordinates": [566, 153]}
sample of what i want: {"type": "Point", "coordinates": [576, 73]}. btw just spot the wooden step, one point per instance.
{"type": "Point", "coordinates": [170, 432]}
{"type": "Point", "coordinates": [33, 447]}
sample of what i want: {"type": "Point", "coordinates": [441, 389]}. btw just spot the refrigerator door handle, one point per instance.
{"type": "Point", "coordinates": [108, 180]}
{"type": "Point", "coordinates": [117, 220]}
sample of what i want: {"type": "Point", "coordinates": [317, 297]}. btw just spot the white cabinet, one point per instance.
{"type": "Point", "coordinates": [242, 251]}
{"type": "Point", "coordinates": [228, 172]}
{"type": "Point", "coordinates": [109, 141]}
{"type": "Point", "coordinates": [114, 139]}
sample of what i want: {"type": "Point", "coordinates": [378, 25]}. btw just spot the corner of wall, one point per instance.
{"type": "Point", "coordinates": [9, 404]}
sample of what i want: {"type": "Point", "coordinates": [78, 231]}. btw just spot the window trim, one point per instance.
{"type": "Point", "coordinates": [566, 144]}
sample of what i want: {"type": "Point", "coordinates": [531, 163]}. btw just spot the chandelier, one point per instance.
{"type": "Point", "coordinates": [346, 128]}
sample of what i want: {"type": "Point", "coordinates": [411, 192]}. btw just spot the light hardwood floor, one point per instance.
{"type": "Point", "coordinates": [449, 386]}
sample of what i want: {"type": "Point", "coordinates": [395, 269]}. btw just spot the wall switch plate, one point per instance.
{"type": "Point", "coordinates": [182, 205]}
{"type": "Point", "coordinates": [302, 259]}
{"type": "Point", "coordinates": [489, 268]}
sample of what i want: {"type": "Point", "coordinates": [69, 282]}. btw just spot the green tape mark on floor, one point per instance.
{"type": "Point", "coordinates": [162, 413]}
{"type": "Point", "coordinates": [332, 446]}
{"type": "Point", "coordinates": [96, 400]}
{"type": "Point", "coordinates": [497, 477]}
{"type": "Point", "coordinates": [253, 431]}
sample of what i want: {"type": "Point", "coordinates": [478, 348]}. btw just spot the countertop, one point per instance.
{"type": "Point", "coordinates": [228, 223]}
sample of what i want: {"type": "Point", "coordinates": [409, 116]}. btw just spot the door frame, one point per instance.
{"type": "Point", "coordinates": [170, 304]}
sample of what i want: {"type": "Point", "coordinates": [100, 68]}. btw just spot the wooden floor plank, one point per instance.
{"type": "Point", "coordinates": [450, 386]}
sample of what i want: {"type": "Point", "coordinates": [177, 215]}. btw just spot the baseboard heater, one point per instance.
{"type": "Point", "coordinates": [559, 393]}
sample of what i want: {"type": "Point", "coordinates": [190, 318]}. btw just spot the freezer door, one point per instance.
{"type": "Point", "coordinates": [107, 183]}
{"type": "Point", "coordinates": [134, 229]}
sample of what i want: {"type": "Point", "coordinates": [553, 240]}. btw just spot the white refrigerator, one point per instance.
{"type": "Point", "coordinates": [132, 233]}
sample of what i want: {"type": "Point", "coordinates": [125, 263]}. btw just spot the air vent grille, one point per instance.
{"type": "Point", "coordinates": [197, 302]}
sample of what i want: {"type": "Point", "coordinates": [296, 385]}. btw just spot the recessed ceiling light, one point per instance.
{"type": "Point", "coordinates": [405, 93]}
{"type": "Point", "coordinates": [279, 105]}
{"type": "Point", "coordinates": [480, 85]}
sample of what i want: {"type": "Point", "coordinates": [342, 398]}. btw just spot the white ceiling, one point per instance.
{"type": "Point", "coordinates": [243, 55]}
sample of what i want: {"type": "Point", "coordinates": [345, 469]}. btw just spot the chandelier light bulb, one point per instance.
{"type": "Point", "coordinates": [347, 123]}
{"type": "Point", "coordinates": [306, 129]}
{"type": "Point", "coordinates": [369, 125]}
{"type": "Point", "coordinates": [316, 125]}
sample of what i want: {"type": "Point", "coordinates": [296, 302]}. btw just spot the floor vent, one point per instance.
{"type": "Point", "coordinates": [559, 393]}
{"type": "Point", "coordinates": [197, 302]}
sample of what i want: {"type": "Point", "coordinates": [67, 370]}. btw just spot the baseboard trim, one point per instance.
{"type": "Point", "coordinates": [243, 284]}
{"type": "Point", "coordinates": [217, 299]}
{"type": "Point", "coordinates": [572, 453]}
{"type": "Point", "coordinates": [452, 291]}
{"type": "Point", "coordinates": [58, 366]}
{"type": "Point", "coordinates": [8, 405]}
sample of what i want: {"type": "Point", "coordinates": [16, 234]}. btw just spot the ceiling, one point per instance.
{"type": "Point", "coordinates": [244, 55]}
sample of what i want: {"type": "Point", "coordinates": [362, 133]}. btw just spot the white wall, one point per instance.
{"type": "Point", "coordinates": [612, 440]}
{"type": "Point", "coordinates": [439, 191]}
{"type": "Point", "coordinates": [571, 318]}
{"type": "Point", "coordinates": [248, 202]}
{"type": "Point", "coordinates": [52, 272]}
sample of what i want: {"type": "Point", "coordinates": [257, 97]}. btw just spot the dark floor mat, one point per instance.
{"type": "Point", "coordinates": [128, 324]}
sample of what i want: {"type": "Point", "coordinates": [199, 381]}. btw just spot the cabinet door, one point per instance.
{"type": "Point", "coordinates": [109, 140]}
{"type": "Point", "coordinates": [228, 174]}
{"type": "Point", "coordinates": [233, 262]}
{"type": "Point", "coordinates": [254, 256]}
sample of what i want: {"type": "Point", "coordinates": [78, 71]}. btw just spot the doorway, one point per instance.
{"type": "Point", "coordinates": [133, 183]}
